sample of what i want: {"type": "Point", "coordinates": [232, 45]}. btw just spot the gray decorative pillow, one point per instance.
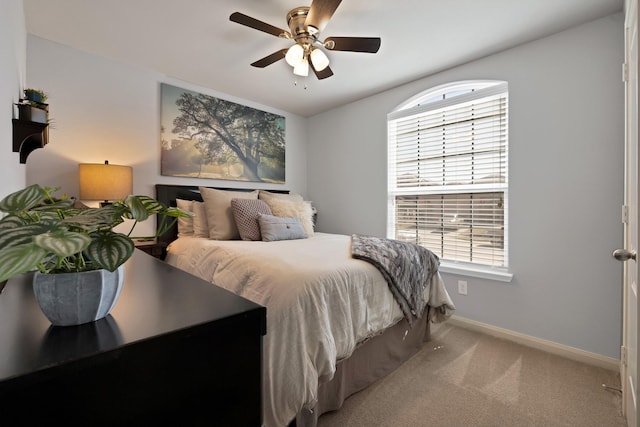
{"type": "Point", "coordinates": [293, 209]}
{"type": "Point", "coordinates": [245, 213]}
{"type": "Point", "coordinates": [274, 228]}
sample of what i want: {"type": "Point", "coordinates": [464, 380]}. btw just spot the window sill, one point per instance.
{"type": "Point", "coordinates": [498, 274]}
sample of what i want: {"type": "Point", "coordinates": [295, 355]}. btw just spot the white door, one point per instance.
{"type": "Point", "coordinates": [629, 356]}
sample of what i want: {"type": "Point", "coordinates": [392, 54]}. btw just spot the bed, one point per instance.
{"type": "Point", "coordinates": [333, 324]}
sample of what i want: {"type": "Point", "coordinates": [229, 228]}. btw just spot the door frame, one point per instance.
{"type": "Point", "coordinates": [631, 220]}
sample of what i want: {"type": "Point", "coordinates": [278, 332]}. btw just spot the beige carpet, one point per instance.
{"type": "Point", "coordinates": [465, 378]}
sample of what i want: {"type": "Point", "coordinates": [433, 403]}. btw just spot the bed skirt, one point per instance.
{"type": "Point", "coordinates": [372, 360]}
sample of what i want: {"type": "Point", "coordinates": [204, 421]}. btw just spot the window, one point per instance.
{"type": "Point", "coordinates": [448, 174]}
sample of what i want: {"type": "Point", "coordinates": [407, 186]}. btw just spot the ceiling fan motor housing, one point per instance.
{"type": "Point", "coordinates": [302, 34]}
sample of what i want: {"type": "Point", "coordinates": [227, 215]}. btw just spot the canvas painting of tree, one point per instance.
{"type": "Point", "coordinates": [206, 137]}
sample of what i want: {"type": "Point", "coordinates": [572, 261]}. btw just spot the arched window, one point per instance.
{"type": "Point", "coordinates": [448, 173]}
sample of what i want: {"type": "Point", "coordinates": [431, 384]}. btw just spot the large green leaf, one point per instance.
{"type": "Point", "coordinates": [109, 250]}
{"type": "Point", "coordinates": [45, 216]}
{"type": "Point", "coordinates": [11, 221]}
{"type": "Point", "coordinates": [151, 205]}
{"type": "Point", "coordinates": [178, 213]}
{"type": "Point", "coordinates": [93, 219]}
{"type": "Point", "coordinates": [65, 204]}
{"type": "Point", "coordinates": [19, 259]}
{"type": "Point", "coordinates": [23, 200]}
{"type": "Point", "coordinates": [140, 208]}
{"type": "Point", "coordinates": [24, 234]}
{"type": "Point", "coordinates": [63, 243]}
{"type": "Point", "coordinates": [137, 209]}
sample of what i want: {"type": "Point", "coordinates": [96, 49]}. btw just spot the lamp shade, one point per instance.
{"type": "Point", "coordinates": [294, 55]}
{"type": "Point", "coordinates": [319, 59]}
{"type": "Point", "coordinates": [302, 69]}
{"type": "Point", "coordinates": [105, 181]}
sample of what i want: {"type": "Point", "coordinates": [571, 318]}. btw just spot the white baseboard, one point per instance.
{"type": "Point", "coordinates": [538, 343]}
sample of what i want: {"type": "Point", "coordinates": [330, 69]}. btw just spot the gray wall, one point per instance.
{"type": "Point", "coordinates": [13, 52]}
{"type": "Point", "coordinates": [566, 184]}
{"type": "Point", "coordinates": [107, 110]}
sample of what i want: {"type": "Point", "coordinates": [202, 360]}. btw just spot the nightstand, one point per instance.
{"type": "Point", "coordinates": [153, 247]}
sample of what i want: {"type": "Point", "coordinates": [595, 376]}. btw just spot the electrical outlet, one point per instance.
{"type": "Point", "coordinates": [462, 287]}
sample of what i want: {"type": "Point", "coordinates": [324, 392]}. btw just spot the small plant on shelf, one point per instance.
{"type": "Point", "coordinates": [32, 107]}
{"type": "Point", "coordinates": [35, 97]}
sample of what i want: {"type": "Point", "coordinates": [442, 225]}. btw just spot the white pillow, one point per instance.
{"type": "Point", "coordinates": [268, 195]}
{"type": "Point", "coordinates": [200, 223]}
{"type": "Point", "coordinates": [195, 226]}
{"type": "Point", "coordinates": [185, 225]}
{"type": "Point", "coordinates": [221, 223]}
{"type": "Point", "coordinates": [293, 209]}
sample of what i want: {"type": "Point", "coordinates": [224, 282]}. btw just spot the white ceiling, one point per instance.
{"type": "Point", "coordinates": [194, 41]}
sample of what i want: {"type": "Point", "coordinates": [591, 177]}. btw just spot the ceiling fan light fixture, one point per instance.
{"type": "Point", "coordinates": [302, 69]}
{"type": "Point", "coordinates": [319, 59]}
{"type": "Point", "coordinates": [295, 55]}
{"type": "Point", "coordinates": [305, 25]}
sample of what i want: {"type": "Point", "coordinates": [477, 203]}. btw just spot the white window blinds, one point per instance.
{"type": "Point", "coordinates": [448, 175]}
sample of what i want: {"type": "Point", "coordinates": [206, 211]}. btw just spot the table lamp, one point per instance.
{"type": "Point", "coordinates": [105, 182]}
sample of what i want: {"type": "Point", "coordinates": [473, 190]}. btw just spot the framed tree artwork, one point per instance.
{"type": "Point", "coordinates": [206, 137]}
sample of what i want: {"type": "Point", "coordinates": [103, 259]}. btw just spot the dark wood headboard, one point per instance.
{"type": "Point", "coordinates": [168, 194]}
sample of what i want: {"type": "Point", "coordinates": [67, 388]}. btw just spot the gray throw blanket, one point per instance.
{"type": "Point", "coordinates": [407, 267]}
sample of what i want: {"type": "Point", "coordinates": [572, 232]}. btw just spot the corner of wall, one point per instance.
{"type": "Point", "coordinates": [13, 54]}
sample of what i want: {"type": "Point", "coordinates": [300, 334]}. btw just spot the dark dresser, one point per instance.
{"type": "Point", "coordinates": [175, 350]}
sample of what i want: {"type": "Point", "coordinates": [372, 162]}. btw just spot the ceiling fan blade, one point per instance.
{"type": "Point", "coordinates": [320, 13]}
{"type": "Point", "coordinates": [243, 19]}
{"type": "Point", "coordinates": [270, 59]}
{"type": "Point", "coordinates": [326, 72]}
{"type": "Point", "coordinates": [354, 44]}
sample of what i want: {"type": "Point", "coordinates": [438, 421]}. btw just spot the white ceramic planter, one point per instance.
{"type": "Point", "coordinates": [76, 298]}
{"type": "Point", "coordinates": [32, 114]}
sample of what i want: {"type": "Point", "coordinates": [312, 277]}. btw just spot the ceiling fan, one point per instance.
{"type": "Point", "coordinates": [305, 25]}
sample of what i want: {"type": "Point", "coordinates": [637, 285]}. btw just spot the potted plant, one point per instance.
{"type": "Point", "coordinates": [33, 107]}
{"type": "Point", "coordinates": [64, 244]}
{"type": "Point", "coordinates": [35, 96]}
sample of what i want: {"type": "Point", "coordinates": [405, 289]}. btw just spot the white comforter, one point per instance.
{"type": "Point", "coordinates": [320, 304]}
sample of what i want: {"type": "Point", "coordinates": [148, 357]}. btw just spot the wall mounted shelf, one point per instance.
{"type": "Point", "coordinates": [31, 128]}
{"type": "Point", "coordinates": [28, 136]}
